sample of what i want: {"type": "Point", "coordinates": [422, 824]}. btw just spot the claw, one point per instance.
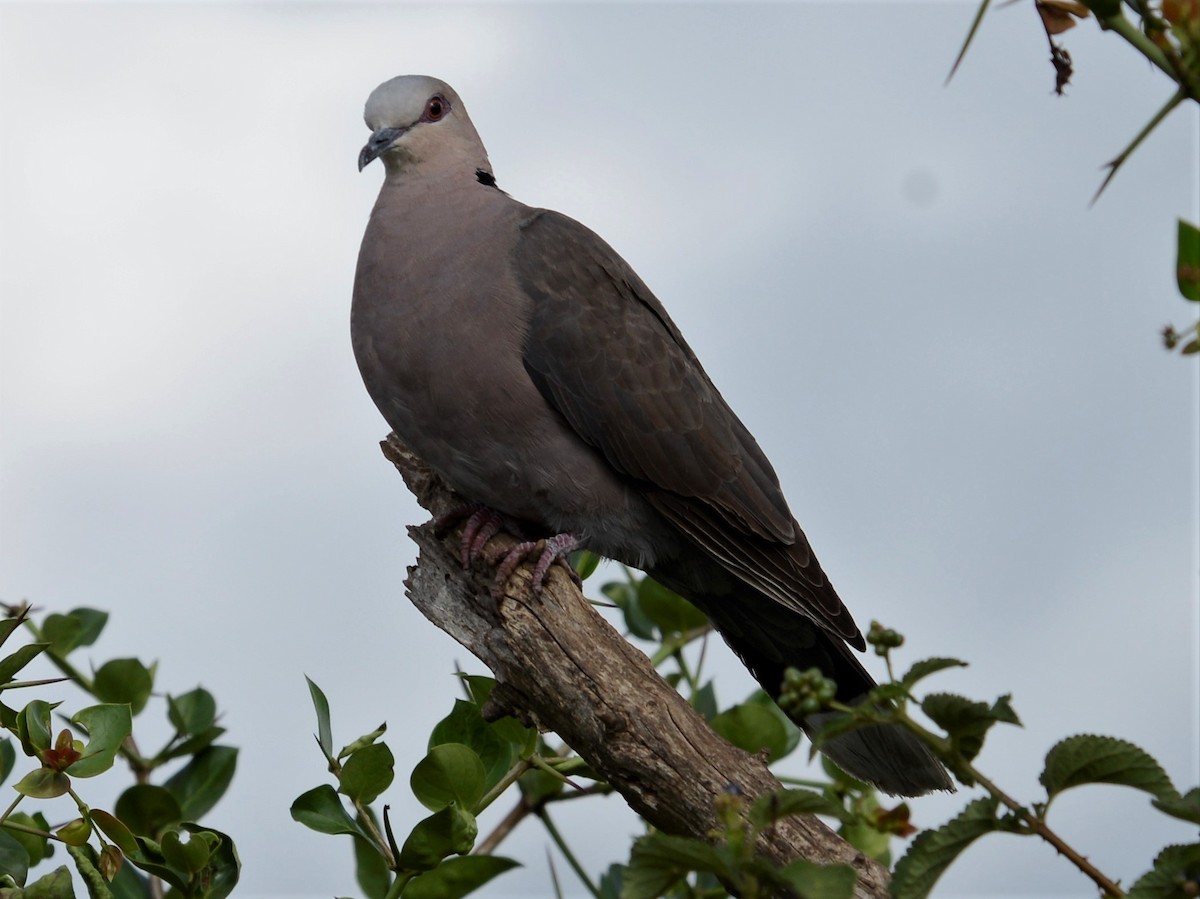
{"type": "Point", "coordinates": [548, 552]}
{"type": "Point", "coordinates": [482, 525]}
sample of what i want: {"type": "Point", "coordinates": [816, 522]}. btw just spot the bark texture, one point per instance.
{"type": "Point", "coordinates": [560, 666]}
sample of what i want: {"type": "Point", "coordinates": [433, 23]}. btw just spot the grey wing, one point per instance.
{"type": "Point", "coordinates": [604, 353]}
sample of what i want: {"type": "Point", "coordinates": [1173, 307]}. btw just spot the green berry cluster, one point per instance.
{"type": "Point", "coordinates": [884, 639]}
{"type": "Point", "coordinates": [805, 692]}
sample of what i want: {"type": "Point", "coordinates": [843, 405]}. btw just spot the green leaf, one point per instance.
{"type": "Point", "coordinates": [794, 734]}
{"type": "Point", "coordinates": [1174, 867]}
{"type": "Point", "coordinates": [8, 625]}
{"type": "Point", "coordinates": [115, 830]}
{"type": "Point", "coordinates": [321, 810]}
{"type": "Point", "coordinates": [465, 725]}
{"type": "Point", "coordinates": [33, 727]}
{"type": "Point", "coordinates": [771, 807]}
{"type": "Point", "coordinates": [457, 877]}
{"type": "Point", "coordinates": [8, 758]}
{"type": "Point", "coordinates": [363, 742]}
{"type": "Point", "coordinates": [932, 852]}
{"type": "Point", "coordinates": [449, 773]}
{"type": "Point", "coordinates": [659, 861]}
{"type": "Point", "coordinates": [193, 744]}
{"type": "Point", "coordinates": [54, 885]}
{"type": "Point", "coordinates": [147, 810]}
{"type": "Point", "coordinates": [751, 727]}
{"type": "Point", "coordinates": [193, 712]}
{"type": "Point", "coordinates": [965, 721]}
{"type": "Point", "coordinates": [224, 867]}
{"type": "Point", "coordinates": [624, 596]}
{"type": "Point", "coordinates": [10, 665]}
{"type": "Point", "coordinates": [925, 667]}
{"type": "Point", "coordinates": [201, 783]}
{"type": "Point", "coordinates": [43, 783]}
{"type": "Point", "coordinates": [321, 704]}
{"type": "Point", "coordinates": [669, 611]}
{"type": "Point", "coordinates": [107, 727]}
{"type": "Point", "coordinates": [1185, 807]}
{"type": "Point", "coordinates": [812, 881]}
{"type": "Point", "coordinates": [36, 845]}
{"type": "Point", "coordinates": [14, 860]}
{"type": "Point", "coordinates": [367, 773]}
{"type": "Point", "coordinates": [1087, 758]}
{"type": "Point", "coordinates": [370, 869]}
{"type": "Point", "coordinates": [450, 831]}
{"type": "Point", "coordinates": [80, 627]}
{"type": "Point", "coordinates": [124, 680]}
{"type": "Point", "coordinates": [704, 701]}
{"type": "Point", "coordinates": [1187, 265]}
{"type": "Point", "coordinates": [584, 563]}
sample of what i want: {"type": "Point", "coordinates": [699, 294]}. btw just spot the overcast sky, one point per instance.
{"type": "Point", "coordinates": [950, 356]}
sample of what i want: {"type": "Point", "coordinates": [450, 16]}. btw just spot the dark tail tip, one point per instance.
{"type": "Point", "coordinates": [886, 756]}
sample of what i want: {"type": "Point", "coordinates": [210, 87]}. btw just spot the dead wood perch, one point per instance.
{"type": "Point", "coordinates": [560, 665]}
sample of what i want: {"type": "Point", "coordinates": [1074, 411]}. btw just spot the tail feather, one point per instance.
{"type": "Point", "coordinates": [769, 639]}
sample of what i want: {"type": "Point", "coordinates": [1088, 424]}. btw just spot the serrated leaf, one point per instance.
{"type": "Point", "coordinates": [925, 667]}
{"type": "Point", "coordinates": [193, 712]}
{"type": "Point", "coordinates": [321, 810]}
{"type": "Point", "coordinates": [367, 773]}
{"type": "Point", "coordinates": [449, 773]}
{"type": "Point", "coordinates": [965, 721]}
{"type": "Point", "coordinates": [932, 852]}
{"type": "Point", "coordinates": [1173, 867]}
{"type": "Point", "coordinates": [458, 877]}
{"type": "Point", "coordinates": [751, 727]}
{"type": "Point", "coordinates": [812, 881]}
{"type": "Point", "coordinates": [11, 664]}
{"type": "Point", "coordinates": [771, 807]}
{"type": "Point", "coordinates": [321, 705]}
{"type": "Point", "coordinates": [450, 831]}
{"type": "Point", "coordinates": [1185, 807]}
{"type": "Point", "coordinates": [1187, 261]}
{"type": "Point", "coordinates": [200, 784]}
{"type": "Point", "coordinates": [107, 727]}
{"type": "Point", "coordinates": [124, 681]}
{"type": "Point", "coordinates": [658, 861]}
{"type": "Point", "coordinates": [1087, 758]}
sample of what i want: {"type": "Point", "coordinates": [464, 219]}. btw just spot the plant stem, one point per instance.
{"type": "Point", "coordinates": [1038, 826]}
{"type": "Point", "coordinates": [510, 777]}
{"type": "Point", "coordinates": [567, 854]}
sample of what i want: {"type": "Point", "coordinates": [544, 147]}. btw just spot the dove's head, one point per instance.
{"type": "Point", "coordinates": [418, 120]}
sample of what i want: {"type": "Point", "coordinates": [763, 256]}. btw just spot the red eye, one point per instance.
{"type": "Point", "coordinates": [435, 109]}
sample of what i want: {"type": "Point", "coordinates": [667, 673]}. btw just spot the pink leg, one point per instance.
{"type": "Point", "coordinates": [547, 552]}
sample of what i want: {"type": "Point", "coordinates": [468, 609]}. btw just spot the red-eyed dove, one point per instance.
{"type": "Point", "coordinates": [526, 363]}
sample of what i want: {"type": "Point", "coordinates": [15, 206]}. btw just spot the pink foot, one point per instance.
{"type": "Point", "coordinates": [482, 525]}
{"type": "Point", "coordinates": [547, 552]}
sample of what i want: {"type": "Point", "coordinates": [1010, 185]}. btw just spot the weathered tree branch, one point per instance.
{"type": "Point", "coordinates": [561, 666]}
